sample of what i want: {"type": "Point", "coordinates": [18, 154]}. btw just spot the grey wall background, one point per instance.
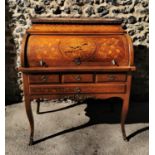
{"type": "Point", "coordinates": [135, 14]}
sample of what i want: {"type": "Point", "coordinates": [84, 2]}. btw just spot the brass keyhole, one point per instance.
{"type": "Point", "coordinates": [77, 90]}
{"type": "Point", "coordinates": [77, 61]}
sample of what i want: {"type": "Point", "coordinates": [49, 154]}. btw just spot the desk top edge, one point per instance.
{"type": "Point", "coordinates": [101, 21]}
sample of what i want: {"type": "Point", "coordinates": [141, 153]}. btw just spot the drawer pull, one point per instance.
{"type": "Point", "coordinates": [77, 61]}
{"type": "Point", "coordinates": [77, 90]}
{"type": "Point", "coordinates": [112, 77]}
{"type": "Point", "coordinates": [42, 63]}
{"type": "Point", "coordinates": [77, 77]}
{"type": "Point", "coordinates": [113, 62]}
{"type": "Point", "coordinates": [44, 78]}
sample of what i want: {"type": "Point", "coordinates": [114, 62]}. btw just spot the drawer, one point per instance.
{"type": "Point", "coordinates": [77, 89]}
{"type": "Point", "coordinates": [44, 78]}
{"type": "Point", "coordinates": [77, 78]}
{"type": "Point", "coordinates": [111, 77]}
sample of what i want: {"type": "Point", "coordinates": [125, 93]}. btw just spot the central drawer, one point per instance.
{"type": "Point", "coordinates": [76, 89]}
{"type": "Point", "coordinates": [77, 78]}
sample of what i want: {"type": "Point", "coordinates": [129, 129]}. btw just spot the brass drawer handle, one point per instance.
{"type": "Point", "coordinates": [112, 77]}
{"type": "Point", "coordinates": [113, 62]}
{"type": "Point", "coordinates": [77, 61]}
{"type": "Point", "coordinates": [42, 63]}
{"type": "Point", "coordinates": [77, 90]}
{"type": "Point", "coordinates": [77, 77]}
{"type": "Point", "coordinates": [44, 78]}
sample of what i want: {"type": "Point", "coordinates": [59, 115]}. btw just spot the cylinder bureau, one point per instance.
{"type": "Point", "coordinates": [76, 58]}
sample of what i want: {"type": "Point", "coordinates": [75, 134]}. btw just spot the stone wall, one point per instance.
{"type": "Point", "coordinates": [135, 22]}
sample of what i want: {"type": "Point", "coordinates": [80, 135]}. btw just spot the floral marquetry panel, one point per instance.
{"type": "Point", "coordinates": [75, 50]}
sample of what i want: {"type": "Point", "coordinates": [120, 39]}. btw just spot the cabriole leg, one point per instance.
{"type": "Point", "coordinates": [30, 118]}
{"type": "Point", "coordinates": [38, 106]}
{"type": "Point", "coordinates": [124, 113]}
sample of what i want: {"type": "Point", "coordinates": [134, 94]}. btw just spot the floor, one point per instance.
{"type": "Point", "coordinates": [70, 128]}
